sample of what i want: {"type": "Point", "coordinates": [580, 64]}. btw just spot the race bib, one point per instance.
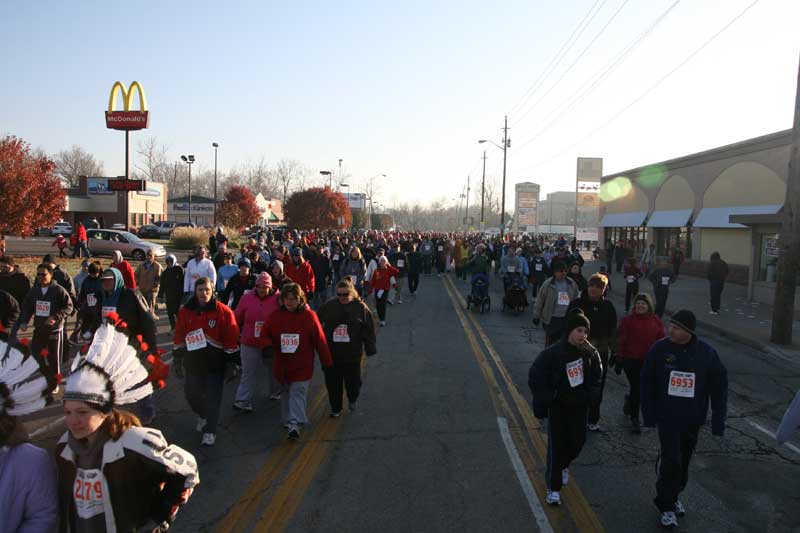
{"type": "Point", "coordinates": [441, 248]}
{"type": "Point", "coordinates": [335, 257]}
{"type": "Point", "coordinates": [400, 263]}
{"type": "Point", "coordinates": [88, 493]}
{"type": "Point", "coordinates": [538, 267]}
{"type": "Point", "coordinates": [196, 340]}
{"type": "Point", "coordinates": [257, 327]}
{"type": "Point", "coordinates": [681, 384]}
{"type": "Point", "coordinates": [340, 334]}
{"type": "Point", "coordinates": [631, 279]}
{"type": "Point", "coordinates": [289, 342]}
{"type": "Point", "coordinates": [665, 280]}
{"type": "Point", "coordinates": [42, 308]}
{"type": "Point", "coordinates": [563, 298]}
{"type": "Point", "coordinates": [512, 269]}
{"type": "Point", "coordinates": [575, 373]}
{"type": "Point", "coordinates": [105, 311]}
{"type": "Point", "coordinates": [91, 300]}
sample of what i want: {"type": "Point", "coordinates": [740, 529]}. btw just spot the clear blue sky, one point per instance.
{"type": "Point", "coordinates": [402, 88]}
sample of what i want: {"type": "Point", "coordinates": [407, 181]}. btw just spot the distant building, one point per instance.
{"type": "Point", "coordinates": [271, 211]}
{"type": "Point", "coordinates": [202, 210]}
{"type": "Point", "coordinates": [526, 205]}
{"type": "Point", "coordinates": [558, 209]}
{"type": "Point", "coordinates": [92, 198]}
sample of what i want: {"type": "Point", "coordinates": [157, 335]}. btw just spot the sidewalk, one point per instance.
{"type": "Point", "coordinates": [746, 322]}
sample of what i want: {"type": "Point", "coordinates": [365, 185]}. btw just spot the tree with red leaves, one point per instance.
{"type": "Point", "coordinates": [318, 208]}
{"type": "Point", "coordinates": [238, 209]}
{"type": "Point", "coordinates": [30, 191]}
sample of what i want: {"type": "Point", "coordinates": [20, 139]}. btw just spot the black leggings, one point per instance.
{"type": "Point", "coordinates": [716, 294]}
{"type": "Point", "coordinates": [413, 283]}
{"type": "Point", "coordinates": [347, 374]}
{"type": "Point", "coordinates": [633, 371]}
{"type": "Point", "coordinates": [380, 303]}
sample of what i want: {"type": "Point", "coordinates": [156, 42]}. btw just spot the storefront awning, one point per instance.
{"type": "Point", "coordinates": [623, 220]}
{"type": "Point", "coordinates": [719, 217]}
{"type": "Point", "coordinates": [677, 218]}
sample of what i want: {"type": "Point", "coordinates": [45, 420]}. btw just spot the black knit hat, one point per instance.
{"type": "Point", "coordinates": [685, 320]}
{"type": "Point", "coordinates": [576, 319]}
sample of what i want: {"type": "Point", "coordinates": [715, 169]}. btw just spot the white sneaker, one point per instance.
{"type": "Point", "coordinates": [383, 323]}
{"type": "Point", "coordinates": [553, 497]}
{"type": "Point", "coordinates": [201, 424]}
{"type": "Point", "coordinates": [715, 313]}
{"type": "Point", "coordinates": [209, 439]}
{"type": "Point", "coordinates": [399, 301]}
{"type": "Point", "coordinates": [565, 477]}
{"type": "Point", "coordinates": [275, 396]}
{"type": "Point", "coordinates": [593, 427]}
{"type": "Point", "coordinates": [243, 406]}
{"type": "Point", "coordinates": [680, 510]}
{"type": "Point", "coordinates": [668, 519]}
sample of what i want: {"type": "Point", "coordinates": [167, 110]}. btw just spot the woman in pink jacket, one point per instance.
{"type": "Point", "coordinates": [252, 315]}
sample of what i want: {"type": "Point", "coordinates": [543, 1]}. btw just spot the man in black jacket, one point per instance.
{"type": "Point", "coordinates": [243, 281]}
{"type": "Point", "coordinates": [603, 317]}
{"type": "Point", "coordinates": [171, 288]}
{"type": "Point", "coordinates": [9, 309]}
{"type": "Point", "coordinates": [415, 266]}
{"type": "Point", "coordinates": [11, 280]}
{"type": "Point", "coordinates": [323, 273]}
{"type": "Point", "coordinates": [564, 379]}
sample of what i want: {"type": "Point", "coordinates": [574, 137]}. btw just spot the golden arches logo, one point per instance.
{"type": "Point", "coordinates": [127, 119]}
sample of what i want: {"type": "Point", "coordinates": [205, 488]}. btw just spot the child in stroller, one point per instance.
{"type": "Point", "coordinates": [514, 297]}
{"type": "Point", "coordinates": [479, 295]}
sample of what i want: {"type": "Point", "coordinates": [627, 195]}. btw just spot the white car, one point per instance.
{"type": "Point", "coordinates": [64, 228]}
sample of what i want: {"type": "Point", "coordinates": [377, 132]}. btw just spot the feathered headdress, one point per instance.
{"type": "Point", "coordinates": [23, 387]}
{"type": "Point", "coordinates": [110, 373]}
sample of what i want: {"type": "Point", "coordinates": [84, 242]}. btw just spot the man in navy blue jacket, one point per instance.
{"type": "Point", "coordinates": [681, 375]}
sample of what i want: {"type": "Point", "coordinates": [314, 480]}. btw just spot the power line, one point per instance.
{"type": "Point", "coordinates": [558, 57]}
{"type": "Point", "coordinates": [574, 62]}
{"type": "Point", "coordinates": [651, 89]}
{"type": "Point", "coordinates": [598, 77]}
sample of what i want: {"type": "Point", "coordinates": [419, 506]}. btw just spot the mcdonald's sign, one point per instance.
{"type": "Point", "coordinates": [127, 119]}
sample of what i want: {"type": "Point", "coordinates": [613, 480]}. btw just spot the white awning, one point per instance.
{"type": "Point", "coordinates": [623, 220]}
{"type": "Point", "coordinates": [677, 218]}
{"type": "Point", "coordinates": [719, 217]}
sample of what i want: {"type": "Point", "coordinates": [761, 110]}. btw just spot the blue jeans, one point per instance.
{"type": "Point", "coordinates": [204, 394]}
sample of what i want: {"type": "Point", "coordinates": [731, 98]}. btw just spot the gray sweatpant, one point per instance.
{"type": "Point", "coordinates": [293, 403]}
{"type": "Point", "coordinates": [252, 362]}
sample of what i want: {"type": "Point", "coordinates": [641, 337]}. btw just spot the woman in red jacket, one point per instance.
{"type": "Point", "coordinates": [206, 339]}
{"type": "Point", "coordinates": [636, 334]}
{"type": "Point", "coordinates": [380, 282]}
{"type": "Point", "coordinates": [296, 334]}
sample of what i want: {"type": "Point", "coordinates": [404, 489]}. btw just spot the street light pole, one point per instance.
{"type": "Point", "coordinates": [483, 183]}
{"type": "Point", "coordinates": [189, 160]}
{"type": "Point", "coordinates": [216, 146]}
{"type": "Point", "coordinates": [340, 170]}
{"type": "Point", "coordinates": [466, 216]}
{"type": "Point", "coordinates": [503, 201]}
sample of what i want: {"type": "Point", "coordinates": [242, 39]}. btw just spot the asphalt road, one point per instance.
{"type": "Point", "coordinates": [444, 440]}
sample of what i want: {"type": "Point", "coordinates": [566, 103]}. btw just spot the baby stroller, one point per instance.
{"type": "Point", "coordinates": [515, 297]}
{"type": "Point", "coordinates": [479, 296]}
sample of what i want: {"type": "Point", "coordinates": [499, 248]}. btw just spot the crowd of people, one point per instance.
{"type": "Point", "coordinates": [273, 304]}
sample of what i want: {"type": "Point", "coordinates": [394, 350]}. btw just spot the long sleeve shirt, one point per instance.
{"type": "Point", "coordinates": [196, 269]}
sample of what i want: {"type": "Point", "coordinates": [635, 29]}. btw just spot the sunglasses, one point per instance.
{"type": "Point", "coordinates": [342, 294]}
{"type": "Point", "coordinates": [42, 274]}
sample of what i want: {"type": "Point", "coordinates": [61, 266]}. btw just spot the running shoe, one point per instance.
{"type": "Point", "coordinates": [352, 406]}
{"type": "Point", "coordinates": [383, 323]}
{"type": "Point", "coordinates": [243, 406]}
{"type": "Point", "coordinates": [201, 424]}
{"type": "Point", "coordinates": [593, 427]}
{"type": "Point", "coordinates": [275, 396]}
{"type": "Point", "coordinates": [565, 476]}
{"type": "Point", "coordinates": [680, 510]}
{"type": "Point", "coordinates": [209, 439]}
{"type": "Point", "coordinates": [668, 519]}
{"type": "Point", "coordinates": [293, 434]}
{"type": "Point", "coordinates": [553, 497]}
{"type": "Point", "coordinates": [336, 414]}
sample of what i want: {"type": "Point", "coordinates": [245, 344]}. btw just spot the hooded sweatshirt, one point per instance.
{"type": "Point", "coordinates": [125, 269]}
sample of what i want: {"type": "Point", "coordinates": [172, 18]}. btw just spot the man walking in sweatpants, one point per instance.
{"type": "Point", "coordinates": [682, 374]}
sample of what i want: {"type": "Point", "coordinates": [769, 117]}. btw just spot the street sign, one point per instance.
{"type": "Point", "coordinates": [127, 185]}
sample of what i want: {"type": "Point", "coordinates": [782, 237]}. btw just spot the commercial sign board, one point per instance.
{"type": "Point", "coordinates": [526, 216]}
{"type": "Point", "coordinates": [526, 199]}
{"type": "Point", "coordinates": [586, 234]}
{"type": "Point", "coordinates": [196, 208]}
{"type": "Point", "coordinates": [98, 186]}
{"type": "Point", "coordinates": [126, 185]}
{"type": "Point", "coordinates": [127, 119]}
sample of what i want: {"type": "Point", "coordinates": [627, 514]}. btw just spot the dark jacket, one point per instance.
{"type": "Point", "coordinates": [133, 309]}
{"type": "Point", "coordinates": [17, 284]}
{"type": "Point", "coordinates": [414, 263]}
{"type": "Point", "coordinates": [236, 287]}
{"type": "Point", "coordinates": [134, 468]}
{"type": "Point", "coordinates": [171, 287]}
{"type": "Point", "coordinates": [717, 269]}
{"type": "Point", "coordinates": [539, 274]}
{"type": "Point", "coordinates": [394, 257]}
{"type": "Point", "coordinates": [323, 270]}
{"type": "Point", "coordinates": [9, 309]}
{"type": "Point", "coordinates": [657, 276]}
{"type": "Point", "coordinates": [579, 280]}
{"type": "Point", "coordinates": [549, 382]}
{"type": "Point", "coordinates": [60, 306]}
{"type": "Point", "coordinates": [63, 279]}
{"type": "Point", "coordinates": [710, 384]}
{"type": "Point", "coordinates": [603, 319]}
{"type": "Point", "coordinates": [360, 328]}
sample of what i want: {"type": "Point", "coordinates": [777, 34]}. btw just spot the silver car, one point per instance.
{"type": "Point", "coordinates": [105, 241]}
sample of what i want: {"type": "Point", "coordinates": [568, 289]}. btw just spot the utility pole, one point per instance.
{"type": "Point", "coordinates": [483, 183]}
{"type": "Point", "coordinates": [466, 216]}
{"type": "Point", "coordinates": [506, 143]}
{"type": "Point", "coordinates": [785, 286]}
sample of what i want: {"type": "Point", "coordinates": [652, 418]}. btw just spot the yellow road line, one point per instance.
{"type": "Point", "coordinates": [239, 515]}
{"type": "Point", "coordinates": [574, 500]}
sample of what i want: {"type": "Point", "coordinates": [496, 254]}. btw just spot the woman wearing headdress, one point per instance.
{"type": "Point", "coordinates": [28, 496]}
{"type": "Point", "coordinates": [113, 474]}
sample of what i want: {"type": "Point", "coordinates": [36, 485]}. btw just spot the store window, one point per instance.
{"type": "Point", "coordinates": [768, 257]}
{"type": "Point", "coordinates": [667, 239]}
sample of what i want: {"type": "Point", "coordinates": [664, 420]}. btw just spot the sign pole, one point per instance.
{"type": "Point", "coordinates": [127, 175]}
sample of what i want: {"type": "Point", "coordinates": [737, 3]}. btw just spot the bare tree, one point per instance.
{"type": "Point", "coordinates": [291, 176]}
{"type": "Point", "coordinates": [75, 162]}
{"type": "Point", "coordinates": [153, 163]}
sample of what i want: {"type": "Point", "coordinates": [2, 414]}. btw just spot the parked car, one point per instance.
{"type": "Point", "coordinates": [105, 241]}
{"type": "Point", "coordinates": [180, 225]}
{"type": "Point", "coordinates": [118, 226]}
{"type": "Point", "coordinates": [64, 228]}
{"type": "Point", "coordinates": [149, 231]}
